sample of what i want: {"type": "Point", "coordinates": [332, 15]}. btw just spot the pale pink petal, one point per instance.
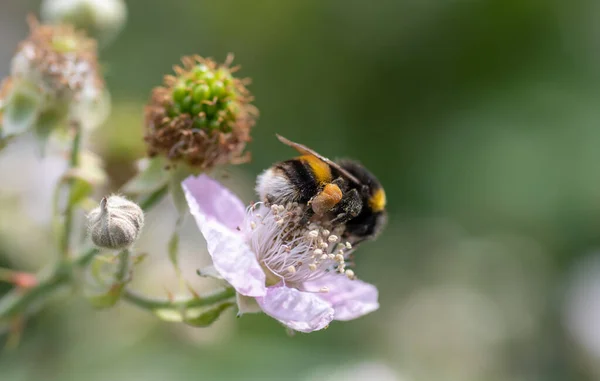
{"type": "Point", "coordinates": [301, 311]}
{"type": "Point", "coordinates": [215, 200]}
{"type": "Point", "coordinates": [231, 256]}
{"type": "Point", "coordinates": [350, 299]}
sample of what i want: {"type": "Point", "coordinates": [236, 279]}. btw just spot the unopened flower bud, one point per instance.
{"type": "Point", "coordinates": [116, 223]}
{"type": "Point", "coordinates": [201, 116]}
{"type": "Point", "coordinates": [101, 19]}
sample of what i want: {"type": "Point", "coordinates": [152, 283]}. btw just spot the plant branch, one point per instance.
{"type": "Point", "coordinates": [65, 249]}
{"type": "Point", "coordinates": [197, 301]}
{"type": "Point", "coordinates": [17, 301]}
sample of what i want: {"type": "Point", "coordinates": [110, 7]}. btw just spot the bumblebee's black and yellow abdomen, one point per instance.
{"type": "Point", "coordinates": [343, 191]}
{"type": "Point", "coordinates": [306, 174]}
{"type": "Point", "coordinates": [294, 180]}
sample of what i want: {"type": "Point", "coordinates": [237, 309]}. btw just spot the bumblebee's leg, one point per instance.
{"type": "Point", "coordinates": [270, 199]}
{"type": "Point", "coordinates": [350, 207]}
{"type": "Point", "coordinates": [308, 213]}
{"type": "Point", "coordinates": [327, 199]}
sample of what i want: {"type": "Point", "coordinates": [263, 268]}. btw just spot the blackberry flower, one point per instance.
{"type": "Point", "coordinates": [294, 273]}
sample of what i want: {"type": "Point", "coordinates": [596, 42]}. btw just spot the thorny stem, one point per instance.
{"type": "Point", "coordinates": [65, 248]}
{"type": "Point", "coordinates": [196, 301]}
{"type": "Point", "coordinates": [18, 301]}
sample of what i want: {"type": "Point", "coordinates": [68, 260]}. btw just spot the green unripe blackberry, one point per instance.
{"type": "Point", "coordinates": [202, 115]}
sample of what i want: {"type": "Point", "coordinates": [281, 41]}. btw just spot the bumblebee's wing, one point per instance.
{"type": "Point", "coordinates": [307, 151]}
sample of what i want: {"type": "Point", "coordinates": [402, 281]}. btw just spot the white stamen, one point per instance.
{"type": "Point", "coordinates": [324, 290]}
{"type": "Point", "coordinates": [288, 248]}
{"type": "Point", "coordinates": [350, 274]}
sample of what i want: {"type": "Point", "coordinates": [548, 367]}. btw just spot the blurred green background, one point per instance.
{"type": "Point", "coordinates": [481, 119]}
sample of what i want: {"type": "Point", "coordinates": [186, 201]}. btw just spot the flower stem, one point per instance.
{"type": "Point", "coordinates": [197, 301]}
{"type": "Point", "coordinates": [73, 163]}
{"type": "Point", "coordinates": [123, 266]}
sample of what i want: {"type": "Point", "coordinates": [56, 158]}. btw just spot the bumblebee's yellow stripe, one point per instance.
{"type": "Point", "coordinates": [377, 201]}
{"type": "Point", "coordinates": [320, 170]}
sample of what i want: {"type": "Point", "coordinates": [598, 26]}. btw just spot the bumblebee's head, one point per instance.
{"type": "Point", "coordinates": [371, 189]}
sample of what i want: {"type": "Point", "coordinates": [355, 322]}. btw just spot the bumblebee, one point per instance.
{"type": "Point", "coordinates": [344, 192]}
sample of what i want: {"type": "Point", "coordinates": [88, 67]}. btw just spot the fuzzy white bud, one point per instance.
{"type": "Point", "coordinates": [102, 19]}
{"type": "Point", "coordinates": [116, 223]}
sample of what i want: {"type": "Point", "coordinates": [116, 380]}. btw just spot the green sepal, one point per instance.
{"type": "Point", "coordinates": [88, 174]}
{"type": "Point", "coordinates": [208, 317]}
{"type": "Point", "coordinates": [47, 121]}
{"type": "Point", "coordinates": [80, 190]}
{"type": "Point", "coordinates": [173, 248]}
{"type": "Point", "coordinates": [197, 317]}
{"type": "Point", "coordinates": [109, 298]}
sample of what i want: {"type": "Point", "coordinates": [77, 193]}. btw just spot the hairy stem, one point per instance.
{"type": "Point", "coordinates": [123, 266]}
{"type": "Point", "coordinates": [148, 303]}
{"type": "Point", "coordinates": [65, 247]}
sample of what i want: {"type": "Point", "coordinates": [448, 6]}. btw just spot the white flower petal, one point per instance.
{"type": "Point", "coordinates": [216, 201]}
{"type": "Point", "coordinates": [350, 299]}
{"type": "Point", "coordinates": [231, 256]}
{"type": "Point", "coordinates": [301, 311]}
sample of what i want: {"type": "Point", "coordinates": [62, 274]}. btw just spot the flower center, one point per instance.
{"type": "Point", "coordinates": [292, 250]}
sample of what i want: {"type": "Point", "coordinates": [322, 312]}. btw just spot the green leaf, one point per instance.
{"type": "Point", "coordinates": [207, 317]}
{"type": "Point", "coordinates": [137, 259]}
{"type": "Point", "coordinates": [21, 110]}
{"type": "Point", "coordinates": [209, 272]}
{"type": "Point", "coordinates": [151, 178]}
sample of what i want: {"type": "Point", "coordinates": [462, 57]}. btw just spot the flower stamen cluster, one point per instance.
{"type": "Point", "coordinates": [291, 250]}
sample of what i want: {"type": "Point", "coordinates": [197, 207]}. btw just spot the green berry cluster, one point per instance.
{"type": "Point", "coordinates": [208, 96]}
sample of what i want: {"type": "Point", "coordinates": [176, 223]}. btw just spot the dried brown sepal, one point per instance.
{"type": "Point", "coordinates": [200, 138]}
